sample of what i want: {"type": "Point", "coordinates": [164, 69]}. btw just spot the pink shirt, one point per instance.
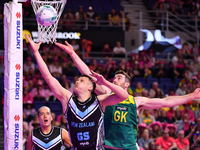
{"type": "Point", "coordinates": [170, 114]}
{"type": "Point", "coordinates": [28, 97]}
{"type": "Point", "coordinates": [165, 145]}
{"type": "Point", "coordinates": [182, 145]}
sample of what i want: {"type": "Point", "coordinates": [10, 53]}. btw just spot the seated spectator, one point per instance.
{"type": "Point", "coordinates": [86, 46]}
{"type": "Point", "coordinates": [55, 68]}
{"type": "Point", "coordinates": [182, 142]}
{"type": "Point", "coordinates": [28, 64]}
{"type": "Point", "coordinates": [54, 122]}
{"type": "Point", "coordinates": [189, 134]}
{"type": "Point", "coordinates": [92, 17]}
{"type": "Point", "coordinates": [161, 71]}
{"type": "Point", "coordinates": [113, 18]}
{"type": "Point", "coordinates": [181, 90]}
{"type": "Point", "coordinates": [63, 122]}
{"type": "Point", "coordinates": [151, 58]}
{"type": "Point", "coordinates": [80, 17]}
{"type": "Point", "coordinates": [184, 123]}
{"type": "Point", "coordinates": [185, 79]}
{"type": "Point", "coordinates": [160, 10]}
{"type": "Point", "coordinates": [146, 117]}
{"type": "Point", "coordinates": [188, 111]}
{"type": "Point", "coordinates": [152, 145]}
{"type": "Point", "coordinates": [137, 72]}
{"type": "Point", "coordinates": [153, 90]}
{"type": "Point", "coordinates": [174, 71]}
{"type": "Point", "coordinates": [141, 128]}
{"type": "Point", "coordinates": [40, 93]}
{"type": "Point", "coordinates": [194, 106]}
{"type": "Point", "coordinates": [75, 45]}
{"type": "Point", "coordinates": [159, 93]}
{"type": "Point", "coordinates": [147, 71]}
{"type": "Point", "coordinates": [171, 113]}
{"type": "Point", "coordinates": [196, 144]}
{"type": "Point", "coordinates": [172, 130]}
{"type": "Point", "coordinates": [163, 118]}
{"type": "Point", "coordinates": [68, 22]}
{"type": "Point", "coordinates": [192, 72]}
{"type": "Point", "coordinates": [156, 130]}
{"type": "Point", "coordinates": [165, 142]}
{"type": "Point", "coordinates": [29, 111]}
{"type": "Point", "coordinates": [177, 116]}
{"type": "Point", "coordinates": [27, 96]}
{"type": "Point", "coordinates": [144, 141]}
{"type": "Point", "coordinates": [138, 89]}
{"type": "Point", "coordinates": [195, 63]}
{"type": "Point", "coordinates": [106, 49]}
{"type": "Point", "coordinates": [118, 50]}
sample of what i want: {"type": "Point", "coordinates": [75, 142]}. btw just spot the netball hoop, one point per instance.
{"type": "Point", "coordinates": [47, 34]}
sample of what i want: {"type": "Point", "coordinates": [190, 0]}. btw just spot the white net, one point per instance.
{"type": "Point", "coordinates": [47, 34]}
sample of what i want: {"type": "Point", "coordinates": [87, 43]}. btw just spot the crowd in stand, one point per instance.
{"type": "Point", "coordinates": [179, 123]}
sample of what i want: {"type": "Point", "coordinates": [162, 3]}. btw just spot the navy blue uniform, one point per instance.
{"type": "Point", "coordinates": [51, 141]}
{"type": "Point", "coordinates": [85, 123]}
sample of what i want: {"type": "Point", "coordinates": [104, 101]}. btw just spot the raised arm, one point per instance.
{"type": "Point", "coordinates": [62, 94]}
{"type": "Point", "coordinates": [82, 67]}
{"type": "Point", "coordinates": [170, 101]}
{"type": "Point", "coordinates": [110, 99]}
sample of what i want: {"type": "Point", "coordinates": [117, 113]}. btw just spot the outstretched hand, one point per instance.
{"type": "Point", "coordinates": [196, 93]}
{"type": "Point", "coordinates": [100, 80]}
{"type": "Point", "coordinates": [67, 48]}
{"type": "Point", "coordinates": [35, 46]}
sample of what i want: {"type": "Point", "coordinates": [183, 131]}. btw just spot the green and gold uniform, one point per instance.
{"type": "Point", "coordinates": [120, 122]}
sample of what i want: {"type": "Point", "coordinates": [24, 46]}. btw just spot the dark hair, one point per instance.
{"type": "Point", "coordinates": [127, 77]}
{"type": "Point", "coordinates": [94, 84]}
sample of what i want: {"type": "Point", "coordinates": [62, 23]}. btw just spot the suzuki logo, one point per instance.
{"type": "Point", "coordinates": [18, 15]}
{"type": "Point", "coordinates": [17, 66]}
{"type": "Point", "coordinates": [17, 118]}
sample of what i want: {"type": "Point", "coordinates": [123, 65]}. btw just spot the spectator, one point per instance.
{"type": "Point", "coordinates": [177, 116]}
{"type": "Point", "coordinates": [146, 117]}
{"type": "Point", "coordinates": [196, 143]}
{"type": "Point", "coordinates": [194, 106]}
{"type": "Point", "coordinates": [172, 130]}
{"type": "Point", "coordinates": [178, 57]}
{"type": "Point", "coordinates": [195, 63]}
{"type": "Point", "coordinates": [189, 134]}
{"type": "Point", "coordinates": [27, 96]}
{"type": "Point", "coordinates": [54, 122]}
{"type": "Point", "coordinates": [163, 117]}
{"type": "Point", "coordinates": [191, 72]}
{"type": "Point", "coordinates": [184, 123]}
{"type": "Point", "coordinates": [113, 18]}
{"type": "Point", "coordinates": [161, 71]}
{"type": "Point", "coordinates": [56, 68]}
{"type": "Point", "coordinates": [185, 79]}
{"type": "Point", "coordinates": [144, 141]}
{"type": "Point", "coordinates": [63, 122]}
{"type": "Point", "coordinates": [171, 114]}
{"type": "Point", "coordinates": [153, 90]}
{"type": "Point", "coordinates": [156, 130]}
{"type": "Point", "coordinates": [75, 45]}
{"type": "Point", "coordinates": [128, 24]}
{"type": "Point", "coordinates": [138, 89]}
{"type": "Point", "coordinates": [185, 50]}
{"type": "Point", "coordinates": [137, 72]}
{"type": "Point", "coordinates": [174, 71]}
{"type": "Point", "coordinates": [111, 70]}
{"type": "Point", "coordinates": [69, 20]}
{"type": "Point", "coordinates": [195, 50]}
{"type": "Point", "coordinates": [40, 93]}
{"type": "Point", "coordinates": [118, 50]}
{"type": "Point", "coordinates": [86, 46]}
{"type": "Point", "coordinates": [165, 142]}
{"type": "Point", "coordinates": [160, 10]}
{"type": "Point", "coordinates": [181, 90]}
{"type": "Point", "coordinates": [107, 51]}
{"type": "Point", "coordinates": [188, 111]}
{"type": "Point", "coordinates": [152, 146]}
{"type": "Point", "coordinates": [92, 17]}
{"type": "Point", "coordinates": [182, 142]}
{"type": "Point", "coordinates": [159, 93]}
{"type": "Point", "coordinates": [80, 17]}
{"type": "Point", "coordinates": [29, 111]}
{"type": "Point", "coordinates": [141, 128]}
{"type": "Point", "coordinates": [28, 64]}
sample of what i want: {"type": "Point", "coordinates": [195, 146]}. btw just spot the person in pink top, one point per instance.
{"type": "Point", "coordinates": [27, 96]}
{"type": "Point", "coordinates": [165, 142]}
{"type": "Point", "coordinates": [181, 141]}
{"type": "Point", "coordinates": [189, 112]}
